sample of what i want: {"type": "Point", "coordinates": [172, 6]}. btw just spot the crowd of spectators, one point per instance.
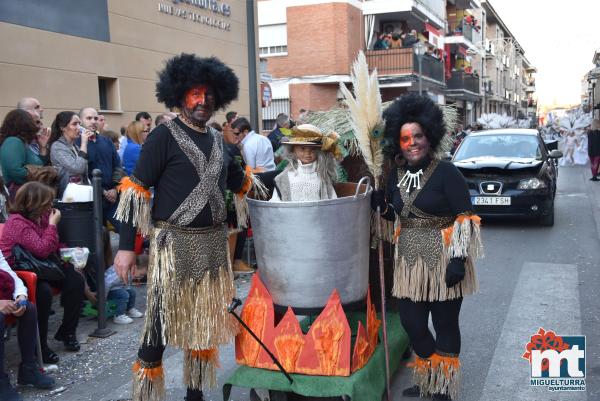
{"type": "Point", "coordinates": [395, 40]}
{"type": "Point", "coordinates": [37, 164]}
{"type": "Point", "coordinates": [398, 40]}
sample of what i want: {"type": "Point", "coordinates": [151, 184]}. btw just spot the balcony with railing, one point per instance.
{"type": "Point", "coordinates": [530, 85]}
{"type": "Point", "coordinates": [404, 62]}
{"type": "Point", "coordinates": [463, 31]}
{"type": "Point", "coordinates": [433, 11]}
{"type": "Point", "coordinates": [460, 80]}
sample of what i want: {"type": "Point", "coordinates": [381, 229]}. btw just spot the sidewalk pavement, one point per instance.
{"type": "Point", "coordinates": [101, 370]}
{"type": "Point", "coordinates": [593, 190]}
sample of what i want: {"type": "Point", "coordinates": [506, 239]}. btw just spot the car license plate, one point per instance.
{"type": "Point", "coordinates": [491, 200]}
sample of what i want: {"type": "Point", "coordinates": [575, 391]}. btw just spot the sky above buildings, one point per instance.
{"type": "Point", "coordinates": [559, 38]}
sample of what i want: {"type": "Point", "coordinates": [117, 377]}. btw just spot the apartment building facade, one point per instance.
{"type": "Point", "coordinates": [106, 53]}
{"type": "Point", "coordinates": [590, 87]}
{"type": "Point", "coordinates": [308, 46]}
{"type": "Point", "coordinates": [509, 79]}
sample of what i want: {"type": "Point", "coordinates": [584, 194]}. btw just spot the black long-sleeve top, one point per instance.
{"type": "Point", "coordinates": [445, 194]}
{"type": "Point", "coordinates": [165, 167]}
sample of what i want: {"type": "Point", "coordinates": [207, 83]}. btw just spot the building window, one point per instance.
{"type": "Point", "coordinates": [272, 40]}
{"type": "Point", "coordinates": [108, 90]}
{"type": "Point", "coordinates": [273, 51]}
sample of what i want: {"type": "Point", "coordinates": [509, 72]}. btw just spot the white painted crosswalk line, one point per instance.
{"type": "Point", "coordinates": [546, 296]}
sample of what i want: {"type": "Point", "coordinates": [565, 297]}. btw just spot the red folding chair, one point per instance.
{"type": "Point", "coordinates": [30, 280]}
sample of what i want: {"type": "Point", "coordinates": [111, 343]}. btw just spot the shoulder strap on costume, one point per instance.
{"type": "Point", "coordinates": [207, 190]}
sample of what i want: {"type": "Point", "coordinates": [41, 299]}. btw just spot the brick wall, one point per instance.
{"type": "Point", "coordinates": [322, 39]}
{"type": "Point", "coordinates": [313, 97]}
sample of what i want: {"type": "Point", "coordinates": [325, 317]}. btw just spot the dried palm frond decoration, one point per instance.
{"type": "Point", "coordinates": [340, 121]}
{"type": "Point", "coordinates": [365, 108]}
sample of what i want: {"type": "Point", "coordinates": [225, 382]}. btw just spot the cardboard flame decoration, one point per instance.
{"type": "Point", "coordinates": [323, 351]}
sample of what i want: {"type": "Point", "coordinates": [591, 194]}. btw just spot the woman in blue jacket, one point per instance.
{"type": "Point", "coordinates": [136, 136]}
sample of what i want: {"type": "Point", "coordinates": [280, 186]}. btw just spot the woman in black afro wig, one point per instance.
{"type": "Point", "coordinates": [187, 71]}
{"type": "Point", "coordinates": [436, 238]}
{"type": "Point", "coordinates": [414, 108]}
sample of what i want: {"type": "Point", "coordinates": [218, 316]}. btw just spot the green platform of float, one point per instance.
{"type": "Point", "coordinates": [366, 384]}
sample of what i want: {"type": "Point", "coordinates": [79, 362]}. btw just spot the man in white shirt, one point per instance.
{"type": "Point", "coordinates": [256, 149]}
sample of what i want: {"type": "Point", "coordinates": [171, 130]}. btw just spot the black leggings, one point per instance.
{"type": "Point", "coordinates": [444, 314]}
{"type": "Point", "coordinates": [71, 298]}
{"type": "Point", "coordinates": [26, 336]}
{"type": "Point", "coordinates": [239, 245]}
{"type": "Point", "coordinates": [152, 350]}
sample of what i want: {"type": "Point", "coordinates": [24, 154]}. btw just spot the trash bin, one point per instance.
{"type": "Point", "coordinates": [76, 229]}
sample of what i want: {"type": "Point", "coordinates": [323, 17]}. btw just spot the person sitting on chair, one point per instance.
{"type": "Point", "coordinates": [311, 169]}
{"type": "Point", "coordinates": [32, 226]}
{"type": "Point", "coordinates": [13, 301]}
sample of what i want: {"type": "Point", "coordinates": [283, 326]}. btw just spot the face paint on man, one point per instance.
{"type": "Point", "coordinates": [195, 97]}
{"type": "Point", "coordinates": [199, 104]}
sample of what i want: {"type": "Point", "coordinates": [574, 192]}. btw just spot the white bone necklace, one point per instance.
{"type": "Point", "coordinates": [411, 180]}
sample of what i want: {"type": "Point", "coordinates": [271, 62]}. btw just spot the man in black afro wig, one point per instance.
{"type": "Point", "coordinates": [414, 108]}
{"type": "Point", "coordinates": [187, 71]}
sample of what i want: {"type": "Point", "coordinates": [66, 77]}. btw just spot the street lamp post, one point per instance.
{"type": "Point", "coordinates": [419, 48]}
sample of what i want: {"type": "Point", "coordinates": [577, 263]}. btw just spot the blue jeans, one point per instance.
{"type": "Point", "coordinates": [124, 298]}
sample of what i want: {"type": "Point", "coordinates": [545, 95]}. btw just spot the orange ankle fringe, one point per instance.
{"type": "Point", "coordinates": [148, 383]}
{"type": "Point", "coordinates": [437, 374]}
{"type": "Point", "coordinates": [200, 368]}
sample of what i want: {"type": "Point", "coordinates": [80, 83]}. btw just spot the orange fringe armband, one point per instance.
{"type": "Point", "coordinates": [134, 204]}
{"type": "Point", "coordinates": [251, 184]}
{"type": "Point", "coordinates": [247, 185]}
{"type": "Point", "coordinates": [463, 238]}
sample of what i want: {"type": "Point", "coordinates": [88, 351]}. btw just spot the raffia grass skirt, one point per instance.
{"type": "Point", "coordinates": [190, 285]}
{"type": "Point", "coordinates": [422, 253]}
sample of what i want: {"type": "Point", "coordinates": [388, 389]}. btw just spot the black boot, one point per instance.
{"type": "Point", "coordinates": [8, 392]}
{"type": "Point", "coordinates": [49, 356]}
{"type": "Point", "coordinates": [31, 375]}
{"type": "Point", "coordinates": [441, 397]}
{"type": "Point", "coordinates": [69, 340]}
{"type": "Point", "coordinates": [414, 391]}
{"type": "Point", "coordinates": [194, 395]}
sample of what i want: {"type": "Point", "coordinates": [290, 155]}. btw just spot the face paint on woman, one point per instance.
{"type": "Point", "coordinates": [413, 143]}
{"type": "Point", "coordinates": [406, 137]}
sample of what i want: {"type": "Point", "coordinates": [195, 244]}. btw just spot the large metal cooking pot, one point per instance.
{"type": "Point", "coordinates": [306, 249]}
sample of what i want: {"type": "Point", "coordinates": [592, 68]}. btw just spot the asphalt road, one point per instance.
{"type": "Point", "coordinates": [531, 277]}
